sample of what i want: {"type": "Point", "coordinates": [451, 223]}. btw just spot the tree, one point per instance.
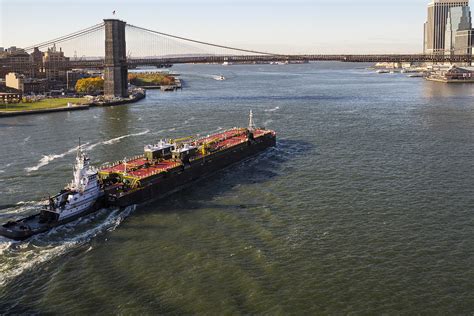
{"type": "Point", "coordinates": [90, 85]}
{"type": "Point", "coordinates": [150, 79]}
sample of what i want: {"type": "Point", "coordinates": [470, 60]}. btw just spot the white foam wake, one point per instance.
{"type": "Point", "coordinates": [192, 118]}
{"type": "Point", "coordinates": [115, 140]}
{"type": "Point", "coordinates": [22, 208]}
{"type": "Point", "coordinates": [49, 158]}
{"type": "Point", "coordinates": [88, 147]}
{"type": "Point", "coordinates": [273, 110]}
{"type": "Point", "coordinates": [18, 257]}
{"type": "Point", "coordinates": [6, 167]}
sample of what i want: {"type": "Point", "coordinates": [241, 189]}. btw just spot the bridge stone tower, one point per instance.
{"type": "Point", "coordinates": [115, 70]}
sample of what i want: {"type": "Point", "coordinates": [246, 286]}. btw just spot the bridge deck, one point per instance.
{"type": "Point", "coordinates": [134, 62]}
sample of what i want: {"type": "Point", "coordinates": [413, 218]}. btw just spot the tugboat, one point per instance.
{"type": "Point", "coordinates": [163, 168]}
{"type": "Point", "coordinates": [82, 196]}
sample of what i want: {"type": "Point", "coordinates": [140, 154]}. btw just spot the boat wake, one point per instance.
{"type": "Point", "coordinates": [24, 208]}
{"type": "Point", "coordinates": [272, 110]}
{"type": "Point", "coordinates": [17, 257]}
{"type": "Point", "coordinates": [115, 140]}
{"type": "Point", "coordinates": [49, 158]}
{"type": "Point", "coordinates": [5, 167]}
{"type": "Point", "coordinates": [192, 118]}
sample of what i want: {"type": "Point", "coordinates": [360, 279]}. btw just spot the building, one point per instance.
{"type": "Point", "coordinates": [36, 58]}
{"type": "Point", "coordinates": [55, 64]}
{"type": "Point", "coordinates": [463, 42]}
{"type": "Point", "coordinates": [435, 26]}
{"type": "Point", "coordinates": [453, 74]}
{"type": "Point", "coordinates": [26, 85]}
{"type": "Point", "coordinates": [459, 20]}
{"type": "Point", "coordinates": [15, 61]}
{"type": "Point", "coordinates": [9, 95]}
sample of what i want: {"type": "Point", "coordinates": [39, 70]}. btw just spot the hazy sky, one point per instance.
{"type": "Point", "coordinates": [299, 26]}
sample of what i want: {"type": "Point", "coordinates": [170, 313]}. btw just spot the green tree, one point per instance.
{"type": "Point", "coordinates": [90, 85]}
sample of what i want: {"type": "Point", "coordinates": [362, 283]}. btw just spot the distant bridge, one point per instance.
{"type": "Point", "coordinates": [127, 46]}
{"type": "Point", "coordinates": [391, 58]}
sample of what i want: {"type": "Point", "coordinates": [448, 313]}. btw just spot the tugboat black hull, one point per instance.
{"type": "Point", "coordinates": [27, 227]}
{"type": "Point", "coordinates": [165, 167]}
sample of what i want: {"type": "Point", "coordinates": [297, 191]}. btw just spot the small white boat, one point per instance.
{"type": "Point", "coordinates": [417, 75]}
{"type": "Point", "coordinates": [219, 78]}
{"type": "Point", "coordinates": [382, 71]}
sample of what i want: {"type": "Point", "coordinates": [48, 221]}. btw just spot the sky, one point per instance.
{"type": "Point", "coordinates": [278, 26]}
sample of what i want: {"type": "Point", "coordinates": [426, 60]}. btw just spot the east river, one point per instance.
{"type": "Point", "coordinates": [365, 207]}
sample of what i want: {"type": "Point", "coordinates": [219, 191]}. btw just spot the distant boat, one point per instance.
{"type": "Point", "coordinates": [219, 78]}
{"type": "Point", "coordinates": [417, 75]}
{"type": "Point", "coordinates": [226, 63]}
{"type": "Point", "coordinates": [382, 71]}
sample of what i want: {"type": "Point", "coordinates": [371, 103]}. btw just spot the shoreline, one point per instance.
{"type": "Point", "coordinates": [137, 98]}
{"type": "Point", "coordinates": [444, 80]}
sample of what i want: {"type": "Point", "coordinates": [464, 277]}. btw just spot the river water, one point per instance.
{"type": "Point", "coordinates": [365, 207]}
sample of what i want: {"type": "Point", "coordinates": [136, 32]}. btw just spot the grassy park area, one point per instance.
{"type": "Point", "coordinates": [42, 104]}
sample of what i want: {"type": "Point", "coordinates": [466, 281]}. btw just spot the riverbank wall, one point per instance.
{"type": "Point", "coordinates": [135, 98]}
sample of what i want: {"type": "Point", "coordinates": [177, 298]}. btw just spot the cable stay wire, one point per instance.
{"type": "Point", "coordinates": [205, 43]}
{"type": "Point", "coordinates": [67, 37]}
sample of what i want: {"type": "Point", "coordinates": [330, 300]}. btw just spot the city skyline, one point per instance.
{"type": "Point", "coordinates": [318, 26]}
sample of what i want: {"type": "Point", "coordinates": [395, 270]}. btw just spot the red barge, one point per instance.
{"type": "Point", "coordinates": [163, 168]}
{"type": "Point", "coordinates": [170, 164]}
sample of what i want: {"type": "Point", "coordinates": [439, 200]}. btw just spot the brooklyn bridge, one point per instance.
{"type": "Point", "coordinates": [126, 46]}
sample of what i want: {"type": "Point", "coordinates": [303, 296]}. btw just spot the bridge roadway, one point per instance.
{"type": "Point", "coordinates": [159, 61]}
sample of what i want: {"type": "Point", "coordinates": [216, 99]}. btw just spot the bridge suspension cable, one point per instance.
{"type": "Point", "coordinates": [201, 42]}
{"type": "Point", "coordinates": [67, 37]}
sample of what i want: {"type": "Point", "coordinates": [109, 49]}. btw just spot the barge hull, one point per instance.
{"type": "Point", "coordinates": [176, 179]}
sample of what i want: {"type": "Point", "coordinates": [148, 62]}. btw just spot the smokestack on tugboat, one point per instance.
{"type": "Point", "coordinates": [163, 168]}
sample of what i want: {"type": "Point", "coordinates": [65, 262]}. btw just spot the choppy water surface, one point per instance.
{"type": "Point", "coordinates": [365, 207]}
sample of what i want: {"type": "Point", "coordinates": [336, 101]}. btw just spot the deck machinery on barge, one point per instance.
{"type": "Point", "coordinates": [166, 166]}
{"type": "Point", "coordinates": [163, 168]}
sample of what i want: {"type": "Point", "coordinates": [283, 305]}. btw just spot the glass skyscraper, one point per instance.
{"type": "Point", "coordinates": [435, 26]}
{"type": "Point", "coordinates": [459, 19]}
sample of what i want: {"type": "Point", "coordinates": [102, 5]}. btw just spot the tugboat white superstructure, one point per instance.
{"type": "Point", "coordinates": [79, 196]}
{"type": "Point", "coordinates": [163, 168]}
{"type": "Point", "coordinates": [82, 196]}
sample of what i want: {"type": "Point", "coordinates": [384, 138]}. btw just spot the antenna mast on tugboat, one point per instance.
{"type": "Point", "coordinates": [251, 123]}
{"type": "Point", "coordinates": [79, 147]}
